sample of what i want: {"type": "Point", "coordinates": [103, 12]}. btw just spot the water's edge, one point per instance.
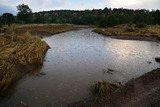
{"type": "Point", "coordinates": [75, 61]}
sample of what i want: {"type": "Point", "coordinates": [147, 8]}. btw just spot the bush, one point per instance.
{"type": "Point", "coordinates": [157, 59]}
{"type": "Point", "coordinates": [109, 21]}
{"type": "Point", "coordinates": [140, 25]}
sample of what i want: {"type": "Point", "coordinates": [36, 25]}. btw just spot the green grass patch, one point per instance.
{"type": "Point", "coordinates": [101, 89]}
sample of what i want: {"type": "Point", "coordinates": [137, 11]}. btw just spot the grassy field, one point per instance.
{"type": "Point", "coordinates": [130, 31]}
{"type": "Point", "coordinates": [39, 29]}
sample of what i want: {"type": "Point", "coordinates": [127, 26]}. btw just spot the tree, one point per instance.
{"type": "Point", "coordinates": [38, 18]}
{"type": "Point", "coordinates": [104, 18]}
{"type": "Point", "coordinates": [156, 16]}
{"type": "Point", "coordinates": [24, 13]}
{"type": "Point", "coordinates": [88, 19]}
{"type": "Point", "coordinates": [7, 19]}
{"type": "Point", "coordinates": [109, 21]}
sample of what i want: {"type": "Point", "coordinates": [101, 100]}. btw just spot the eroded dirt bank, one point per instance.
{"type": "Point", "coordinates": [140, 92]}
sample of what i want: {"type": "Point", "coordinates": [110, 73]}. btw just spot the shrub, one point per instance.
{"type": "Point", "coordinates": [157, 59]}
{"type": "Point", "coordinates": [140, 25]}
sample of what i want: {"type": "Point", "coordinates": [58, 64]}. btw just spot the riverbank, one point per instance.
{"type": "Point", "coordinates": [21, 49]}
{"type": "Point", "coordinates": [131, 32]}
{"type": "Point", "coordinates": [40, 30]}
{"type": "Point", "coordinates": [142, 91]}
{"type": "Point", "coordinates": [16, 51]}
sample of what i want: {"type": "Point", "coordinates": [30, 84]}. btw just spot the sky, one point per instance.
{"type": "Point", "coordinates": [44, 5]}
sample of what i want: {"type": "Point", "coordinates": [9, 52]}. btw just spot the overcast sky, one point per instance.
{"type": "Point", "coordinates": [41, 5]}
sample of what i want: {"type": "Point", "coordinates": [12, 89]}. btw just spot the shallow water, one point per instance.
{"type": "Point", "coordinates": [77, 59]}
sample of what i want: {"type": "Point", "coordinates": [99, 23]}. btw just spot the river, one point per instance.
{"type": "Point", "coordinates": [75, 61]}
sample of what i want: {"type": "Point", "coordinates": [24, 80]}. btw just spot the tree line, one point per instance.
{"type": "Point", "coordinates": [101, 17]}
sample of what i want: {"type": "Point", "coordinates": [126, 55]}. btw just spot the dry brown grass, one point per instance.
{"type": "Point", "coordinates": [15, 50]}
{"type": "Point", "coordinates": [8, 73]}
{"type": "Point", "coordinates": [40, 29]}
{"type": "Point", "coordinates": [125, 30]}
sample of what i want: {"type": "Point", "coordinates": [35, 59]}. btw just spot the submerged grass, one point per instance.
{"type": "Point", "coordinates": [23, 49]}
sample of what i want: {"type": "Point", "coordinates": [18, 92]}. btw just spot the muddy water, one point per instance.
{"type": "Point", "coordinates": [77, 59]}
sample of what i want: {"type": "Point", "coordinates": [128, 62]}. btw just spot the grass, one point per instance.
{"type": "Point", "coordinates": [101, 89]}
{"type": "Point", "coordinates": [39, 29]}
{"type": "Point", "coordinates": [8, 73]}
{"type": "Point", "coordinates": [108, 71]}
{"type": "Point", "coordinates": [130, 30]}
{"type": "Point", "coordinates": [24, 49]}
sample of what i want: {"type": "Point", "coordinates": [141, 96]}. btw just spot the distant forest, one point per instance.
{"type": "Point", "coordinates": [103, 18]}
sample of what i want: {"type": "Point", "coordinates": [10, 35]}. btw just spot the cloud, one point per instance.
{"type": "Point", "coordinates": [35, 5]}
{"type": "Point", "coordinates": [7, 9]}
{"type": "Point", "coordinates": [86, 4]}
{"type": "Point", "coordinates": [134, 4]}
{"type": "Point", "coordinates": [40, 5]}
{"type": "Point", "coordinates": [44, 5]}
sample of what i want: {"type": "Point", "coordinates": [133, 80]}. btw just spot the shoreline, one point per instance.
{"type": "Point", "coordinates": [125, 32]}
{"type": "Point", "coordinates": [19, 55]}
{"type": "Point", "coordinates": [40, 30]}
{"type": "Point", "coordinates": [142, 91]}
{"type": "Point", "coordinates": [139, 38]}
{"type": "Point", "coordinates": [22, 64]}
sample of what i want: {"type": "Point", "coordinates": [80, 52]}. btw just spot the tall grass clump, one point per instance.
{"type": "Point", "coordinates": [8, 74]}
{"type": "Point", "coordinates": [101, 89]}
{"type": "Point", "coordinates": [18, 50]}
{"type": "Point", "coordinates": [31, 52]}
